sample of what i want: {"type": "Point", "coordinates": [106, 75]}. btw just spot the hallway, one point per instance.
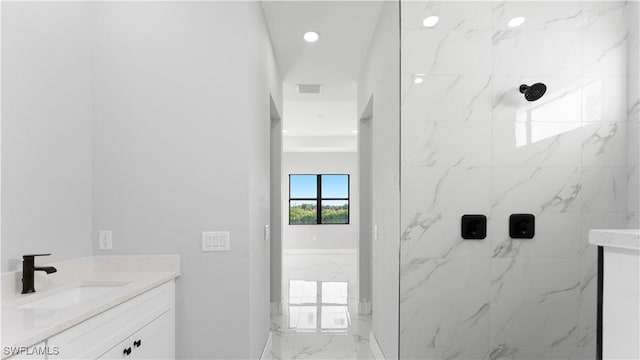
{"type": "Point", "coordinates": [320, 319]}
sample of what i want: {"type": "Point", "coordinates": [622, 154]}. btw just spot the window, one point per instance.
{"type": "Point", "coordinates": [310, 192]}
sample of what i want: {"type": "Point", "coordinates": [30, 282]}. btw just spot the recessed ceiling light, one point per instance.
{"type": "Point", "coordinates": [430, 21]}
{"type": "Point", "coordinates": [418, 78]}
{"type": "Point", "coordinates": [516, 21]}
{"type": "Point", "coordinates": [285, 131]}
{"type": "Point", "coordinates": [311, 36]}
{"type": "Point", "coordinates": [354, 131]}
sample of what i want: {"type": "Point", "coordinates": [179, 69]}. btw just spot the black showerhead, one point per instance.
{"type": "Point", "coordinates": [533, 92]}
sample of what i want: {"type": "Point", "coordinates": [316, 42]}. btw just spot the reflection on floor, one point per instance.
{"type": "Point", "coordinates": [320, 319]}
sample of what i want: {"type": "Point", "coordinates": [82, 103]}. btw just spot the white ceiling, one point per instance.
{"type": "Point", "coordinates": [335, 61]}
{"type": "Point", "coordinates": [320, 118]}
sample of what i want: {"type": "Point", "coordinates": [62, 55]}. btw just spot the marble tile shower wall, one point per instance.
{"type": "Point", "coordinates": [633, 115]}
{"type": "Point", "coordinates": [471, 144]}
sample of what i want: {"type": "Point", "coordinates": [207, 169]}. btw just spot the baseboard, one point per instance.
{"type": "Point", "coordinates": [276, 308]}
{"type": "Point", "coordinates": [375, 347]}
{"type": "Point", "coordinates": [364, 307]}
{"type": "Point", "coordinates": [266, 351]}
{"type": "Point", "coordinates": [319, 251]}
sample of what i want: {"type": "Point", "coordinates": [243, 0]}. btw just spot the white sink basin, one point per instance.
{"type": "Point", "coordinates": [70, 297]}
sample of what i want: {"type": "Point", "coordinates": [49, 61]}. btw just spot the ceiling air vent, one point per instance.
{"type": "Point", "coordinates": [309, 88]}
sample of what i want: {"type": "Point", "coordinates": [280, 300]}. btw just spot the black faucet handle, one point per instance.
{"type": "Point", "coordinates": [31, 256]}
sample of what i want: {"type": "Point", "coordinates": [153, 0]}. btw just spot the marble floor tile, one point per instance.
{"type": "Point", "coordinates": [320, 319]}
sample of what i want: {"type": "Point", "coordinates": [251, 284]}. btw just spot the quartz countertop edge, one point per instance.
{"type": "Point", "coordinates": [618, 238]}
{"type": "Point", "coordinates": [39, 336]}
{"type": "Point", "coordinates": [16, 333]}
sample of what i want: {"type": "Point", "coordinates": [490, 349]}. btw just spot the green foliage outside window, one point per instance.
{"type": "Point", "coordinates": [307, 191]}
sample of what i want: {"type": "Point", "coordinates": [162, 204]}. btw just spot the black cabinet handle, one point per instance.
{"type": "Point", "coordinates": [127, 351]}
{"type": "Point", "coordinates": [137, 343]}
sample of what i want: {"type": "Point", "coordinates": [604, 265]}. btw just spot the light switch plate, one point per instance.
{"type": "Point", "coordinates": [216, 241]}
{"type": "Point", "coordinates": [105, 240]}
{"type": "Point", "coordinates": [267, 233]}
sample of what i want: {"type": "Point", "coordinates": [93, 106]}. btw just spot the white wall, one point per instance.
{"type": "Point", "coordinates": [365, 241]}
{"type": "Point", "coordinates": [181, 106]}
{"type": "Point", "coordinates": [326, 236]}
{"type": "Point", "coordinates": [379, 80]}
{"type": "Point", "coordinates": [46, 131]}
{"type": "Point", "coordinates": [276, 212]}
{"type": "Point", "coordinates": [264, 81]}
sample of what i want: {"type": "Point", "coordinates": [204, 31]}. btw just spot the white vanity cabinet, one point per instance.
{"type": "Point", "coordinates": [150, 342]}
{"type": "Point", "coordinates": [140, 328]}
{"type": "Point", "coordinates": [620, 292]}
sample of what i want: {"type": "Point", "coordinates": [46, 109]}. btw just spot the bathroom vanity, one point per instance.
{"type": "Point", "coordinates": [102, 307]}
{"type": "Point", "coordinates": [620, 292]}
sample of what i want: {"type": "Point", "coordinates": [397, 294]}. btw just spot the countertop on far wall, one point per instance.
{"type": "Point", "coordinates": [619, 238]}
{"type": "Point", "coordinates": [133, 275]}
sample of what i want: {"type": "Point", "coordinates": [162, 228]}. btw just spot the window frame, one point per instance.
{"type": "Point", "coordinates": [318, 199]}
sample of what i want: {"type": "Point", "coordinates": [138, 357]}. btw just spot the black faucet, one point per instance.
{"type": "Point", "coordinates": [28, 269]}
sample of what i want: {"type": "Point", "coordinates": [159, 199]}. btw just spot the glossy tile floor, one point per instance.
{"type": "Point", "coordinates": [320, 319]}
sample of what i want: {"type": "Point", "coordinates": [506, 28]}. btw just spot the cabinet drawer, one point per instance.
{"type": "Point", "coordinates": [152, 342]}
{"type": "Point", "coordinates": [95, 336]}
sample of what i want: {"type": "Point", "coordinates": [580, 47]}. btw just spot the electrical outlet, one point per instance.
{"type": "Point", "coordinates": [105, 240]}
{"type": "Point", "coordinates": [216, 241]}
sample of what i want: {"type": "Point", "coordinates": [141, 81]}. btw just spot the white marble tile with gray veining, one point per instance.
{"type": "Point", "coordinates": [437, 235]}
{"type": "Point", "coordinates": [449, 326]}
{"type": "Point", "coordinates": [535, 280]}
{"type": "Point", "coordinates": [557, 235]}
{"type": "Point", "coordinates": [444, 279]}
{"type": "Point", "coordinates": [444, 144]}
{"type": "Point", "coordinates": [588, 280]}
{"type": "Point", "coordinates": [536, 190]}
{"type": "Point", "coordinates": [587, 325]}
{"type": "Point", "coordinates": [422, 353]}
{"type": "Point", "coordinates": [446, 52]}
{"type": "Point", "coordinates": [633, 143]}
{"type": "Point", "coordinates": [536, 144]}
{"type": "Point", "coordinates": [633, 189]}
{"type": "Point", "coordinates": [459, 15]}
{"type": "Point", "coordinates": [324, 346]}
{"type": "Point", "coordinates": [519, 53]}
{"type": "Point", "coordinates": [428, 189]}
{"type": "Point", "coordinates": [605, 15]}
{"type": "Point", "coordinates": [566, 15]}
{"type": "Point", "coordinates": [604, 189]}
{"type": "Point", "coordinates": [533, 325]}
{"type": "Point", "coordinates": [605, 53]}
{"type": "Point", "coordinates": [445, 98]}
{"type": "Point", "coordinates": [604, 144]}
{"type": "Point", "coordinates": [604, 99]}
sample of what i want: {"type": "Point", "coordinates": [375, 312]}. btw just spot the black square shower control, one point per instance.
{"type": "Point", "coordinates": [522, 226]}
{"type": "Point", "coordinates": [474, 227]}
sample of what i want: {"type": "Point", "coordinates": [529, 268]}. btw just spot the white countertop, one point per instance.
{"type": "Point", "coordinates": [619, 238]}
{"type": "Point", "coordinates": [26, 327]}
